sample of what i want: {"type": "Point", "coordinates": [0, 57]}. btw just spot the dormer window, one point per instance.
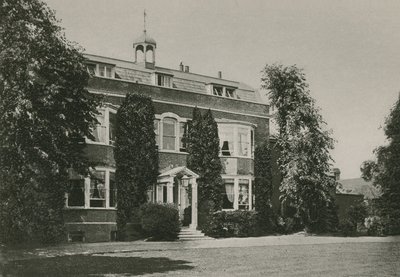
{"type": "Point", "coordinates": [218, 91]}
{"type": "Point", "coordinates": [163, 80]}
{"type": "Point", "coordinates": [230, 92]}
{"type": "Point", "coordinates": [221, 90]}
{"type": "Point", "coordinates": [102, 70]}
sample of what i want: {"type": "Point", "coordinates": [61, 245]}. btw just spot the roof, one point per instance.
{"type": "Point", "coordinates": [183, 80]}
{"type": "Point", "coordinates": [182, 170]}
{"type": "Point", "coordinates": [144, 38]}
{"type": "Point", "coordinates": [358, 186]}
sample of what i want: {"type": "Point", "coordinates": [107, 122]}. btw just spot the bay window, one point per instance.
{"type": "Point", "coordinates": [95, 191]}
{"type": "Point", "coordinates": [238, 193]}
{"type": "Point", "coordinates": [236, 140]}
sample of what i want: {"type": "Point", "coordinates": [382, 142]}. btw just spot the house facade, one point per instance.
{"type": "Point", "coordinates": [243, 122]}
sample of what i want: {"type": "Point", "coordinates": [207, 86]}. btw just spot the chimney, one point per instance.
{"type": "Point", "coordinates": [186, 68]}
{"type": "Point", "coordinates": [181, 66]}
{"type": "Point", "coordinates": [220, 74]}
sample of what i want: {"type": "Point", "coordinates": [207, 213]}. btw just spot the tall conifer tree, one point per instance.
{"type": "Point", "coordinates": [136, 155]}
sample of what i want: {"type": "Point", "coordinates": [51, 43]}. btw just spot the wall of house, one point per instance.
{"type": "Point", "coordinates": [96, 225]}
{"type": "Point", "coordinates": [100, 224]}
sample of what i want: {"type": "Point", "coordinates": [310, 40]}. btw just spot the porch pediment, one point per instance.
{"type": "Point", "coordinates": [180, 170]}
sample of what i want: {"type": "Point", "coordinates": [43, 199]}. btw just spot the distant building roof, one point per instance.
{"type": "Point", "coordinates": [358, 186]}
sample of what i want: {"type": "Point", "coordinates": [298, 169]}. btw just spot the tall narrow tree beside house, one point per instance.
{"type": "Point", "coordinates": [385, 173]}
{"type": "Point", "coordinates": [45, 114]}
{"type": "Point", "coordinates": [304, 146]}
{"type": "Point", "coordinates": [263, 186]}
{"type": "Point", "coordinates": [203, 158]}
{"type": "Point", "coordinates": [136, 156]}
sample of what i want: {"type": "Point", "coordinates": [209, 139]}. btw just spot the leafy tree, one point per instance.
{"type": "Point", "coordinates": [263, 185]}
{"type": "Point", "coordinates": [385, 172]}
{"type": "Point", "coordinates": [136, 155]}
{"type": "Point", "coordinates": [45, 113]}
{"type": "Point", "coordinates": [304, 145]}
{"type": "Point", "coordinates": [203, 149]}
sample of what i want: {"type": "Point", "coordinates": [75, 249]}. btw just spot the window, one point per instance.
{"type": "Point", "coordinates": [226, 138]}
{"type": "Point", "coordinates": [243, 143]}
{"type": "Point", "coordinates": [98, 189]}
{"type": "Point", "coordinates": [113, 190]}
{"type": "Point", "coordinates": [236, 140]}
{"type": "Point", "coordinates": [218, 91]}
{"type": "Point", "coordinates": [105, 70]}
{"type": "Point", "coordinates": [228, 194]}
{"type": "Point", "coordinates": [163, 80]}
{"type": "Point", "coordinates": [243, 194]}
{"type": "Point", "coordinates": [238, 193]}
{"type": "Point", "coordinates": [170, 131]}
{"type": "Point", "coordinates": [229, 92]}
{"type": "Point", "coordinates": [169, 134]}
{"type": "Point", "coordinates": [95, 191]}
{"type": "Point", "coordinates": [112, 119]}
{"type": "Point", "coordinates": [91, 69]}
{"type": "Point", "coordinates": [76, 195]}
{"type": "Point", "coordinates": [104, 132]}
{"type": "Point", "coordinates": [182, 136]}
{"type": "Point", "coordinates": [157, 131]}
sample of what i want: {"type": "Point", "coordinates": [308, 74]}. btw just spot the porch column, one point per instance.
{"type": "Point", "coordinates": [193, 224]}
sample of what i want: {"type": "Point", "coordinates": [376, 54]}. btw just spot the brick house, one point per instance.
{"type": "Point", "coordinates": [243, 122]}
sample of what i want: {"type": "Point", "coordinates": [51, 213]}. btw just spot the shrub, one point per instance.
{"type": "Point", "coordinates": [234, 224]}
{"type": "Point", "coordinates": [374, 226]}
{"type": "Point", "coordinates": [355, 217]}
{"type": "Point", "coordinates": [160, 221]}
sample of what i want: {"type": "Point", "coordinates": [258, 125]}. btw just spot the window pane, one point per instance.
{"type": "Point", "coordinates": [99, 132]}
{"type": "Point", "coordinates": [169, 134]}
{"type": "Point", "coordinates": [229, 194]}
{"type": "Point", "coordinates": [159, 80]}
{"type": "Point", "coordinates": [243, 194]}
{"type": "Point", "coordinates": [102, 70]}
{"type": "Point", "coordinates": [182, 136]}
{"type": "Point", "coordinates": [98, 189]}
{"type": "Point", "coordinates": [157, 131]}
{"type": "Point", "coordinates": [112, 124]}
{"type": "Point", "coordinates": [91, 68]}
{"type": "Point", "coordinates": [225, 133]}
{"type": "Point", "coordinates": [113, 190]}
{"type": "Point", "coordinates": [229, 93]}
{"type": "Point", "coordinates": [243, 137]}
{"type": "Point", "coordinates": [169, 143]}
{"type": "Point", "coordinates": [108, 71]}
{"type": "Point", "coordinates": [217, 91]}
{"type": "Point", "coordinates": [76, 195]}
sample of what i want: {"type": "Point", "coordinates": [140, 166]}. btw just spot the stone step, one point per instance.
{"type": "Point", "coordinates": [191, 234]}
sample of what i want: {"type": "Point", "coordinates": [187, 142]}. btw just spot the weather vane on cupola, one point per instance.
{"type": "Point", "coordinates": [144, 20]}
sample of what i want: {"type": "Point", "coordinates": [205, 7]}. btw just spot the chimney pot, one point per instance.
{"type": "Point", "coordinates": [186, 68]}
{"type": "Point", "coordinates": [181, 66]}
{"type": "Point", "coordinates": [220, 74]}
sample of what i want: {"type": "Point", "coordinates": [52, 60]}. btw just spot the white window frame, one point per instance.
{"type": "Point", "coordinates": [236, 144]}
{"type": "Point", "coordinates": [106, 110]}
{"type": "Point", "coordinates": [179, 120]}
{"type": "Point", "coordinates": [166, 80]}
{"type": "Point", "coordinates": [236, 179]}
{"type": "Point", "coordinates": [224, 91]}
{"type": "Point", "coordinates": [97, 69]}
{"type": "Point", "coordinates": [107, 171]}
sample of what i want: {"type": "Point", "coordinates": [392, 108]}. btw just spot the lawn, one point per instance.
{"type": "Point", "coordinates": [336, 259]}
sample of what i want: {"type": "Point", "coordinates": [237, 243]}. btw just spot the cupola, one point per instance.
{"type": "Point", "coordinates": [145, 49]}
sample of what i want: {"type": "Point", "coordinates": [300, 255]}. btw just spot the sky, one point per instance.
{"type": "Point", "coordinates": [348, 49]}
